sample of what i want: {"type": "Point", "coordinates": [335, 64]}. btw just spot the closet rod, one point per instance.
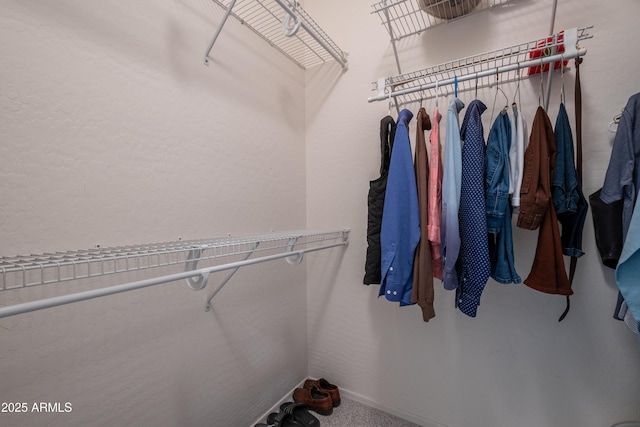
{"type": "Point", "coordinates": [204, 272]}
{"type": "Point", "coordinates": [480, 74]}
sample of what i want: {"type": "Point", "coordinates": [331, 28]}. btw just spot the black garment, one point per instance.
{"type": "Point", "coordinates": [377, 189]}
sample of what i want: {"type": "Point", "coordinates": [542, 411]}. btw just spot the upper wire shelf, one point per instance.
{"type": "Point", "coordinates": [39, 269]}
{"type": "Point", "coordinates": [287, 27]}
{"type": "Point", "coordinates": [403, 18]}
{"type": "Point", "coordinates": [486, 69]}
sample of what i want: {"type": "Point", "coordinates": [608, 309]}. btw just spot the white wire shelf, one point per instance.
{"type": "Point", "coordinates": [31, 270]}
{"type": "Point", "coordinates": [309, 46]}
{"type": "Point", "coordinates": [403, 18]}
{"type": "Point", "coordinates": [40, 269]}
{"type": "Point", "coordinates": [486, 69]}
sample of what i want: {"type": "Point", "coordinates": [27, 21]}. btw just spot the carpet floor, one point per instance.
{"type": "Point", "coordinates": [355, 414]}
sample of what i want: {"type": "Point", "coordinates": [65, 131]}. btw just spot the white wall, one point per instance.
{"type": "Point", "coordinates": [113, 132]}
{"type": "Point", "coordinates": [513, 365]}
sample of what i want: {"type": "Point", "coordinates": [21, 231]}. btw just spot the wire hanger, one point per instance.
{"type": "Point", "coordinates": [562, 80]}
{"type": "Point", "coordinates": [541, 94]}
{"type": "Point", "coordinates": [613, 124]}
{"type": "Point", "coordinates": [476, 95]}
{"type": "Point", "coordinates": [495, 98]}
{"type": "Point", "coordinates": [390, 90]}
{"type": "Point", "coordinates": [517, 92]}
{"type": "Point", "coordinates": [437, 83]}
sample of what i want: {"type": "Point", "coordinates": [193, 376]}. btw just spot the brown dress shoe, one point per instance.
{"type": "Point", "coordinates": [327, 387]}
{"type": "Point", "coordinates": [315, 400]}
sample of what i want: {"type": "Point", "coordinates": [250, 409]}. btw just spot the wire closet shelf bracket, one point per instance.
{"type": "Point", "coordinates": [25, 271]}
{"type": "Point", "coordinates": [286, 26]}
{"type": "Point", "coordinates": [486, 69]}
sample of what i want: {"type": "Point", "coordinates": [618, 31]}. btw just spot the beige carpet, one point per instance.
{"type": "Point", "coordinates": [354, 414]}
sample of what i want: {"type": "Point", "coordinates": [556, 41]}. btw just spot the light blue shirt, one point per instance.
{"type": "Point", "coordinates": [628, 269]}
{"type": "Point", "coordinates": [451, 184]}
{"type": "Point", "coordinates": [400, 232]}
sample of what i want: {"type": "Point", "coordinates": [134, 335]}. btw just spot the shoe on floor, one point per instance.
{"type": "Point", "coordinates": [315, 399]}
{"type": "Point", "coordinates": [327, 387]}
{"type": "Point", "coordinates": [300, 413]}
{"type": "Point", "coordinates": [281, 419]}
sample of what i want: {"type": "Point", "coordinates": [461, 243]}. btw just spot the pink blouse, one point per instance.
{"type": "Point", "coordinates": [435, 195]}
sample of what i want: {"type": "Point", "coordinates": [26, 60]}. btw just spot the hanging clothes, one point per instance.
{"type": "Point", "coordinates": [473, 264]}
{"type": "Point", "coordinates": [628, 269]}
{"type": "Point", "coordinates": [377, 188]}
{"type": "Point", "coordinates": [422, 292]}
{"type": "Point", "coordinates": [498, 208]}
{"type": "Point", "coordinates": [516, 156]}
{"type": "Point", "coordinates": [569, 202]}
{"type": "Point", "coordinates": [536, 210]}
{"type": "Point", "coordinates": [622, 180]}
{"type": "Point", "coordinates": [623, 174]}
{"type": "Point", "coordinates": [435, 195]}
{"type": "Point", "coordinates": [451, 181]}
{"type": "Point", "coordinates": [400, 230]}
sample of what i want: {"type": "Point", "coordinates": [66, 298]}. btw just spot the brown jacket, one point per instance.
{"type": "Point", "coordinates": [422, 291]}
{"type": "Point", "coordinates": [536, 209]}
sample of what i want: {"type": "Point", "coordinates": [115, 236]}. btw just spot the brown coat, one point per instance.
{"type": "Point", "coordinates": [422, 292]}
{"type": "Point", "coordinates": [536, 209]}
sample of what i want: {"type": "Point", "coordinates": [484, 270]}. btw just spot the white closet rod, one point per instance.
{"type": "Point", "coordinates": [203, 272]}
{"type": "Point", "coordinates": [480, 74]}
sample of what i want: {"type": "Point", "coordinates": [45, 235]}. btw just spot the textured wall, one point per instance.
{"type": "Point", "coordinates": [114, 132]}
{"type": "Point", "coordinates": [513, 365]}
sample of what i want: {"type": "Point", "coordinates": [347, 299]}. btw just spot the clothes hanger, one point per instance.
{"type": "Point", "coordinates": [613, 124]}
{"type": "Point", "coordinates": [455, 85]}
{"type": "Point", "coordinates": [437, 83]}
{"type": "Point", "coordinates": [517, 92]}
{"type": "Point", "coordinates": [495, 98]}
{"type": "Point", "coordinates": [562, 80]}
{"type": "Point", "coordinates": [476, 95]}
{"type": "Point", "coordinates": [541, 94]}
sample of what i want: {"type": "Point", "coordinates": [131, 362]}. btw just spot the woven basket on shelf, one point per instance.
{"type": "Point", "coordinates": [448, 9]}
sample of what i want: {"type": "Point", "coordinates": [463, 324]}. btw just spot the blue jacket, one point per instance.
{"type": "Point", "coordinates": [451, 182]}
{"type": "Point", "coordinates": [400, 231]}
{"type": "Point", "coordinates": [497, 183]}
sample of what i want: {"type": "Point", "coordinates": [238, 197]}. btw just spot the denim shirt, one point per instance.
{"type": "Point", "coordinates": [497, 172]}
{"type": "Point", "coordinates": [451, 182]}
{"type": "Point", "coordinates": [400, 232]}
{"type": "Point", "coordinates": [497, 186]}
{"type": "Point", "coordinates": [571, 205]}
{"type": "Point", "coordinates": [565, 178]}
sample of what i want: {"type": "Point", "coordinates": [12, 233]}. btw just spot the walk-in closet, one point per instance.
{"type": "Point", "coordinates": [392, 213]}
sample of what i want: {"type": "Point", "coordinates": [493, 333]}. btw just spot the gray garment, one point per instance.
{"type": "Point", "coordinates": [623, 175]}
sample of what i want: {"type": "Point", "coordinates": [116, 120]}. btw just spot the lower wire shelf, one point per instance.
{"type": "Point", "coordinates": [42, 269]}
